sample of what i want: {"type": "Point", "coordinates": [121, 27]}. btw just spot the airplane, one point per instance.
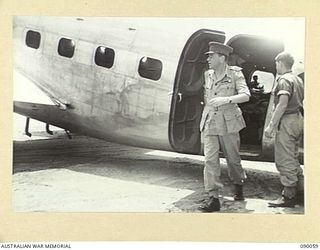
{"type": "Point", "coordinates": [136, 86]}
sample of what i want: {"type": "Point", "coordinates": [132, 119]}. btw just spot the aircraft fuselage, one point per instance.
{"type": "Point", "coordinates": [130, 85]}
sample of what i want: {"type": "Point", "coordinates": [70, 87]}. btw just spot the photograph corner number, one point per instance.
{"type": "Point", "coordinates": [309, 246]}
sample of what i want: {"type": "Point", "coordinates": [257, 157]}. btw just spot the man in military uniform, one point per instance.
{"type": "Point", "coordinates": [221, 122]}
{"type": "Point", "coordinates": [254, 85]}
{"type": "Point", "coordinates": [287, 123]}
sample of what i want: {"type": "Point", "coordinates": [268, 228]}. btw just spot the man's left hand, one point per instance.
{"type": "Point", "coordinates": [218, 101]}
{"type": "Point", "coordinates": [269, 131]}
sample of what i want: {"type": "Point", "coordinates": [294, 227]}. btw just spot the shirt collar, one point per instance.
{"type": "Point", "coordinates": [279, 76]}
{"type": "Point", "coordinates": [226, 73]}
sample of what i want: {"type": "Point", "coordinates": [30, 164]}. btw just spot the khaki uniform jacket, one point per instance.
{"type": "Point", "coordinates": [226, 118]}
{"type": "Point", "coordinates": [291, 85]}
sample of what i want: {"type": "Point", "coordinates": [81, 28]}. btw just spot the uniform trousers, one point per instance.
{"type": "Point", "coordinates": [286, 153]}
{"type": "Point", "coordinates": [229, 144]}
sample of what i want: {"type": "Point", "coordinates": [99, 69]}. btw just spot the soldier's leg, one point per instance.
{"type": "Point", "coordinates": [300, 175]}
{"type": "Point", "coordinates": [230, 144]}
{"type": "Point", "coordinates": [212, 169]}
{"type": "Point", "coordinates": [300, 187]}
{"type": "Point", "coordinates": [286, 154]}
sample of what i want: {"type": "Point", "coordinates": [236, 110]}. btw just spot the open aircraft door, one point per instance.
{"type": "Point", "coordinates": [257, 53]}
{"type": "Point", "coordinates": [187, 100]}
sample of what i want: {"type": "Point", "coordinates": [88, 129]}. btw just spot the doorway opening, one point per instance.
{"type": "Point", "coordinates": [187, 100]}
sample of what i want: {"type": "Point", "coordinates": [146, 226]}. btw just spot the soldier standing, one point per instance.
{"type": "Point", "coordinates": [221, 122]}
{"type": "Point", "coordinates": [287, 123]}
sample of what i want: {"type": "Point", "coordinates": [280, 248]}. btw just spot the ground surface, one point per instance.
{"type": "Point", "coordinates": [88, 175]}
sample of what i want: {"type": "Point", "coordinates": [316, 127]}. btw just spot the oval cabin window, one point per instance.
{"type": "Point", "coordinates": [33, 39]}
{"type": "Point", "coordinates": [66, 47]}
{"type": "Point", "coordinates": [104, 57]}
{"type": "Point", "coordinates": [150, 68]}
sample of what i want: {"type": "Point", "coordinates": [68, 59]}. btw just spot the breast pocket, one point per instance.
{"type": "Point", "coordinates": [226, 88]}
{"type": "Point", "coordinates": [234, 120]}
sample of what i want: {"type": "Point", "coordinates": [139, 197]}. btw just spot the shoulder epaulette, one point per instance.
{"type": "Point", "coordinates": [235, 68]}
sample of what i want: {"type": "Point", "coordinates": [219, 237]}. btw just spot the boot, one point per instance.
{"type": "Point", "coordinates": [238, 192]}
{"type": "Point", "coordinates": [213, 205]}
{"type": "Point", "coordinates": [283, 202]}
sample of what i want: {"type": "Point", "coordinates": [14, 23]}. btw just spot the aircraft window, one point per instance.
{"type": "Point", "coordinates": [33, 39]}
{"type": "Point", "coordinates": [66, 47]}
{"type": "Point", "coordinates": [262, 80]}
{"type": "Point", "coordinates": [104, 57]}
{"type": "Point", "coordinates": [150, 68]}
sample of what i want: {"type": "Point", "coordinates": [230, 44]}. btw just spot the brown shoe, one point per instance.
{"type": "Point", "coordinates": [283, 202]}
{"type": "Point", "coordinates": [213, 205]}
{"type": "Point", "coordinates": [238, 193]}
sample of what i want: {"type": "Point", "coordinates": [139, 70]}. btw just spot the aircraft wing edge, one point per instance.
{"type": "Point", "coordinates": [46, 113]}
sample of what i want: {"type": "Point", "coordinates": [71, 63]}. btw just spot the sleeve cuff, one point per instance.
{"type": "Point", "coordinates": [283, 92]}
{"type": "Point", "coordinates": [245, 92]}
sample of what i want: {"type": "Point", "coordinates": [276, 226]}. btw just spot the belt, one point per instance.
{"type": "Point", "coordinates": [223, 107]}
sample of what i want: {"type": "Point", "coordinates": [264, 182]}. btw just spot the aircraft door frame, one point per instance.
{"type": "Point", "coordinates": [187, 99]}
